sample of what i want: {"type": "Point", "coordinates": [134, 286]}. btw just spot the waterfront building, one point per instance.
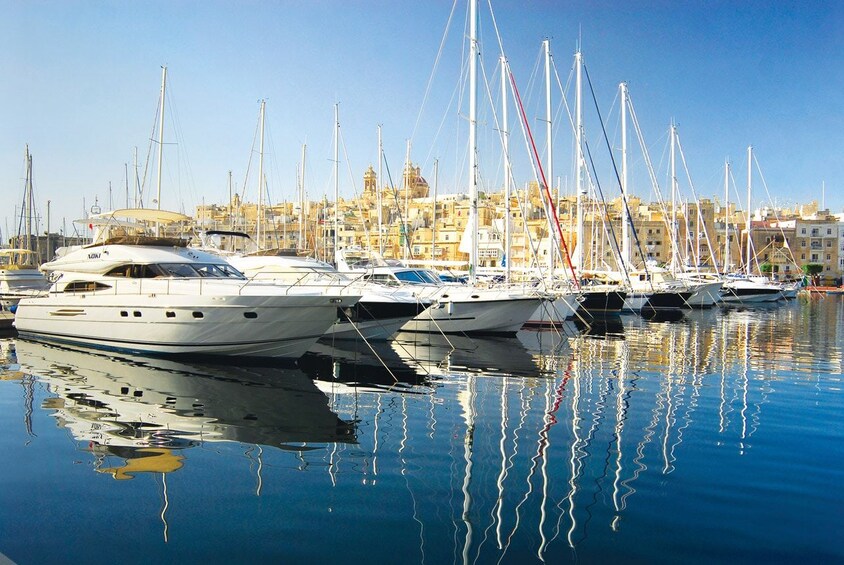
{"type": "Point", "coordinates": [416, 227]}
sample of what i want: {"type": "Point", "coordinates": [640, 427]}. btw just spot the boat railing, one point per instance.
{"type": "Point", "coordinates": [189, 285]}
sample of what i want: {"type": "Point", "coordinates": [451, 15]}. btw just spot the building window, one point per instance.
{"type": "Point", "coordinates": [803, 231]}
{"type": "Point", "coordinates": [828, 231]}
{"type": "Point", "coordinates": [803, 243]}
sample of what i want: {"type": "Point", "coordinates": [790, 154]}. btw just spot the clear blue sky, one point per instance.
{"type": "Point", "coordinates": [81, 83]}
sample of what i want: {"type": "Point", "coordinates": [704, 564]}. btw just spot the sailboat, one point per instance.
{"type": "Point", "coordinates": [456, 308]}
{"type": "Point", "coordinates": [744, 288]}
{"type": "Point", "coordinates": [19, 274]}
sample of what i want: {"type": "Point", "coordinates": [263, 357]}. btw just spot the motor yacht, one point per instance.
{"type": "Point", "coordinates": [151, 294]}
{"type": "Point", "coordinates": [379, 313]}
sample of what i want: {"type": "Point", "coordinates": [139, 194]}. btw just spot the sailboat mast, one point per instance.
{"type": "Point", "coordinates": [336, 181]}
{"type": "Point", "coordinates": [406, 214]}
{"type": "Point", "coordinates": [378, 182]}
{"type": "Point", "coordinates": [749, 177]}
{"type": "Point", "coordinates": [473, 132]}
{"type": "Point", "coordinates": [505, 135]}
{"type": "Point", "coordinates": [625, 216]}
{"type": "Point", "coordinates": [28, 202]}
{"type": "Point", "coordinates": [259, 216]}
{"type": "Point", "coordinates": [578, 134]}
{"type": "Point", "coordinates": [161, 137]}
{"type": "Point", "coordinates": [550, 160]}
{"type": "Point", "coordinates": [302, 212]}
{"type": "Point", "coordinates": [231, 210]}
{"type": "Point", "coordinates": [675, 248]}
{"type": "Point", "coordinates": [726, 216]}
{"type": "Point", "coordinates": [434, 209]}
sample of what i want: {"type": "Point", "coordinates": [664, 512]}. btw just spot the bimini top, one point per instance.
{"type": "Point", "coordinates": [132, 227]}
{"type": "Point", "coordinates": [142, 215]}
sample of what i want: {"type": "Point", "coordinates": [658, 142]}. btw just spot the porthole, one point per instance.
{"type": "Point", "coordinates": [136, 313]}
{"type": "Point", "coordinates": [170, 314]}
{"type": "Point", "coordinates": [250, 315]}
{"type": "Point", "coordinates": [124, 314]}
{"type": "Point", "coordinates": [198, 315]}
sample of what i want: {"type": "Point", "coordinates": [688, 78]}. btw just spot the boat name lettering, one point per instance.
{"type": "Point", "coordinates": [93, 255]}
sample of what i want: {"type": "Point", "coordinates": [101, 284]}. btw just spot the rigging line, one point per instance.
{"type": "Point", "coordinates": [366, 230]}
{"type": "Point", "coordinates": [618, 178]}
{"type": "Point", "coordinates": [697, 200]}
{"type": "Point", "coordinates": [608, 227]}
{"type": "Point", "coordinates": [249, 162]}
{"type": "Point", "coordinates": [398, 205]}
{"type": "Point", "coordinates": [742, 257]}
{"type": "Point", "coordinates": [434, 69]}
{"type": "Point", "coordinates": [181, 143]}
{"type": "Point", "coordinates": [776, 216]}
{"type": "Point", "coordinates": [149, 147]}
{"type": "Point", "coordinates": [634, 118]}
{"type": "Point", "coordinates": [559, 230]}
{"type": "Point", "coordinates": [523, 124]}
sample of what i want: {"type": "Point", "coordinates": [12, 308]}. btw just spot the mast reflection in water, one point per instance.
{"type": "Point", "coordinates": [710, 437]}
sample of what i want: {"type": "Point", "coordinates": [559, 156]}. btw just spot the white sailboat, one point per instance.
{"type": "Point", "coordinates": [745, 288]}
{"type": "Point", "coordinates": [19, 274]}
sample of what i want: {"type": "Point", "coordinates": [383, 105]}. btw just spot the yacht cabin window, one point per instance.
{"type": "Point", "coordinates": [174, 270]}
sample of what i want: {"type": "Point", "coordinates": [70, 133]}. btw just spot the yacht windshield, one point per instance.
{"type": "Point", "coordinates": [416, 276]}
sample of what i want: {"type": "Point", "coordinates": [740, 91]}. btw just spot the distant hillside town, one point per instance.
{"type": "Point", "coordinates": [409, 223]}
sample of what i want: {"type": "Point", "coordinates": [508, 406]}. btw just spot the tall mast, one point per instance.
{"type": "Point", "coordinates": [505, 135]}
{"type": "Point", "coordinates": [138, 200]}
{"type": "Point", "coordinates": [578, 134]}
{"type": "Point", "coordinates": [28, 202]}
{"type": "Point", "coordinates": [749, 176]}
{"type": "Point", "coordinates": [231, 210]}
{"type": "Point", "coordinates": [726, 216]}
{"type": "Point", "coordinates": [549, 160]}
{"type": "Point", "coordinates": [336, 181]}
{"type": "Point", "coordinates": [406, 215]}
{"type": "Point", "coordinates": [625, 216]}
{"type": "Point", "coordinates": [378, 196]}
{"type": "Point", "coordinates": [473, 127]}
{"type": "Point", "coordinates": [434, 209]}
{"type": "Point", "coordinates": [259, 218]}
{"type": "Point", "coordinates": [302, 214]}
{"type": "Point", "coordinates": [161, 136]}
{"type": "Point", "coordinates": [675, 249]}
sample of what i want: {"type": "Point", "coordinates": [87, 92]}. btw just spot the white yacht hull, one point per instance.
{"type": "Point", "coordinates": [705, 295]}
{"type": "Point", "coordinates": [554, 312]}
{"type": "Point", "coordinates": [750, 292]}
{"type": "Point", "coordinates": [182, 324]}
{"type": "Point", "coordinates": [370, 330]}
{"type": "Point", "coordinates": [504, 315]}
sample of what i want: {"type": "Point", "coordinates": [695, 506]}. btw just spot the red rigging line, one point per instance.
{"type": "Point", "coordinates": [544, 182]}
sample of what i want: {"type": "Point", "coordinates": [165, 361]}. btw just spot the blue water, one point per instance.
{"type": "Point", "coordinates": [714, 438]}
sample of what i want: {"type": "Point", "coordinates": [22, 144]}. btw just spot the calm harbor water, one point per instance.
{"type": "Point", "coordinates": [717, 437]}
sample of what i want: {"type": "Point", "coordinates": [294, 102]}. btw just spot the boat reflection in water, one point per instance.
{"type": "Point", "coordinates": [138, 408]}
{"type": "Point", "coordinates": [439, 354]}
